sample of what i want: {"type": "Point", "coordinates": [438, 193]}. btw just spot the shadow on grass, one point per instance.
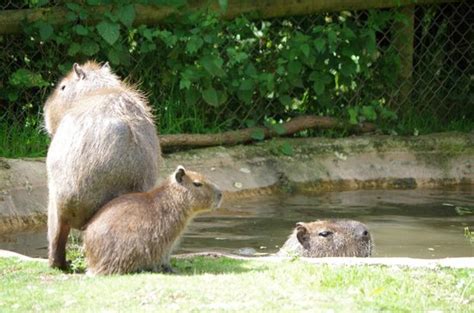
{"type": "Point", "coordinates": [190, 265]}
{"type": "Point", "coordinates": [213, 265]}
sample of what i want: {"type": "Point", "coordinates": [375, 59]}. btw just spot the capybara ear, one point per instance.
{"type": "Point", "coordinates": [80, 74]}
{"type": "Point", "coordinates": [106, 66]}
{"type": "Point", "coordinates": [179, 173]}
{"type": "Point", "coordinates": [302, 234]}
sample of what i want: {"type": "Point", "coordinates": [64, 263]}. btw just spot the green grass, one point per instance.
{"type": "Point", "coordinates": [421, 124]}
{"type": "Point", "coordinates": [176, 117]}
{"type": "Point", "coordinates": [28, 139]}
{"type": "Point", "coordinates": [22, 140]}
{"type": "Point", "coordinates": [205, 284]}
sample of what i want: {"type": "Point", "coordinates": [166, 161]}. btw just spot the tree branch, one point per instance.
{"type": "Point", "coordinates": [297, 124]}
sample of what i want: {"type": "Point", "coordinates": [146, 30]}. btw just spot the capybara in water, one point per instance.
{"type": "Point", "coordinates": [104, 144]}
{"type": "Point", "coordinates": [329, 238]}
{"type": "Point", "coordinates": [138, 231]}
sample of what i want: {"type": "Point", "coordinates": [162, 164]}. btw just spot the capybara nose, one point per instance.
{"type": "Point", "coordinates": [218, 199]}
{"type": "Point", "coordinates": [362, 232]}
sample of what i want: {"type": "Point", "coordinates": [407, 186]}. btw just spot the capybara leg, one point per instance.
{"type": "Point", "coordinates": [58, 232]}
{"type": "Point", "coordinates": [166, 268]}
{"type": "Point", "coordinates": [166, 264]}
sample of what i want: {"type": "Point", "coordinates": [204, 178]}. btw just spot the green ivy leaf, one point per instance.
{"type": "Point", "coordinates": [74, 6]}
{"type": "Point", "coordinates": [332, 37]}
{"type": "Point", "coordinates": [348, 33]}
{"type": "Point", "coordinates": [194, 44]}
{"type": "Point", "coordinates": [387, 114]}
{"type": "Point", "coordinates": [279, 129]}
{"type": "Point", "coordinates": [24, 78]}
{"type": "Point", "coordinates": [320, 45]}
{"type": "Point", "coordinates": [45, 31]}
{"type": "Point", "coordinates": [353, 113]}
{"type": "Point", "coordinates": [369, 113]}
{"type": "Point", "coordinates": [371, 44]}
{"type": "Point", "coordinates": [280, 70]}
{"type": "Point", "coordinates": [90, 48]}
{"type": "Point", "coordinates": [167, 37]}
{"type": "Point", "coordinates": [39, 3]}
{"type": "Point", "coordinates": [258, 134]}
{"type": "Point", "coordinates": [348, 68]}
{"type": "Point", "coordinates": [251, 71]}
{"type": "Point", "coordinates": [319, 86]}
{"type": "Point", "coordinates": [191, 96]}
{"type": "Point", "coordinates": [211, 97]}
{"type": "Point", "coordinates": [12, 95]}
{"type": "Point", "coordinates": [147, 33]}
{"type": "Point", "coordinates": [320, 80]}
{"type": "Point", "coordinates": [294, 67]}
{"type": "Point", "coordinates": [184, 84]}
{"type": "Point", "coordinates": [73, 49]}
{"type": "Point", "coordinates": [305, 49]}
{"type": "Point", "coordinates": [110, 32]}
{"type": "Point", "coordinates": [285, 100]}
{"type": "Point", "coordinates": [247, 84]}
{"type": "Point", "coordinates": [81, 30]}
{"type": "Point", "coordinates": [71, 16]}
{"type": "Point", "coordinates": [147, 47]}
{"type": "Point", "coordinates": [213, 65]}
{"type": "Point", "coordinates": [245, 96]}
{"type": "Point", "coordinates": [126, 14]}
{"type": "Point", "coordinates": [114, 56]}
{"type": "Point", "coordinates": [286, 149]}
{"type": "Point", "coordinates": [250, 123]}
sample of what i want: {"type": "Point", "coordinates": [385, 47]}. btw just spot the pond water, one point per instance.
{"type": "Point", "coordinates": [410, 223]}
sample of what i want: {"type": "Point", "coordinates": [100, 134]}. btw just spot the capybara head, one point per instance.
{"type": "Point", "coordinates": [196, 190]}
{"type": "Point", "coordinates": [334, 238]}
{"type": "Point", "coordinates": [81, 80]}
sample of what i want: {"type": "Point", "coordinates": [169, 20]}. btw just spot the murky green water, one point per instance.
{"type": "Point", "coordinates": [412, 223]}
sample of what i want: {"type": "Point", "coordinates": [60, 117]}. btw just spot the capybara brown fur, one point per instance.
{"type": "Point", "coordinates": [329, 238]}
{"type": "Point", "coordinates": [138, 231]}
{"type": "Point", "coordinates": [104, 144]}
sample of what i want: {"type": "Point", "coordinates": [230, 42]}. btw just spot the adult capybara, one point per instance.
{"type": "Point", "coordinates": [329, 238]}
{"type": "Point", "coordinates": [138, 231]}
{"type": "Point", "coordinates": [104, 144]}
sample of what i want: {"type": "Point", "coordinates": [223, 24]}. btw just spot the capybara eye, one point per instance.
{"type": "Point", "coordinates": [197, 184]}
{"type": "Point", "coordinates": [325, 233]}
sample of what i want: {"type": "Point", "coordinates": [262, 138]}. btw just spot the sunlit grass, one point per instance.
{"type": "Point", "coordinates": [206, 284]}
{"type": "Point", "coordinates": [21, 139]}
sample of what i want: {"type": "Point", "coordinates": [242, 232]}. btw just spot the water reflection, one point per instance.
{"type": "Point", "coordinates": [413, 223]}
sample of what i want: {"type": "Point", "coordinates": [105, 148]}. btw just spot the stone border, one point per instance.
{"type": "Point", "coordinates": [340, 261]}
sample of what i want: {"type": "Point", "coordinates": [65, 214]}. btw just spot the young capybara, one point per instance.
{"type": "Point", "coordinates": [329, 238]}
{"type": "Point", "coordinates": [104, 144]}
{"type": "Point", "coordinates": [138, 231]}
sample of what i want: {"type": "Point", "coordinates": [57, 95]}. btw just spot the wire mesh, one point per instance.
{"type": "Point", "coordinates": [440, 82]}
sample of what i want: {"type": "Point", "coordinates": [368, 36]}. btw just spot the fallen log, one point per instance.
{"type": "Point", "coordinates": [246, 135]}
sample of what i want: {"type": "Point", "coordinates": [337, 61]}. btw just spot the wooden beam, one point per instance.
{"type": "Point", "coordinates": [11, 21]}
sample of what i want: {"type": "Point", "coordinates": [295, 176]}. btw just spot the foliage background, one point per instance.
{"type": "Point", "coordinates": [204, 74]}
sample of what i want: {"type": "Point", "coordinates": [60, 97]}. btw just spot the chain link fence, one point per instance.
{"type": "Point", "coordinates": [438, 81]}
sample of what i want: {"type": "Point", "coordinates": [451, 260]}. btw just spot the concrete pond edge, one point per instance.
{"type": "Point", "coordinates": [464, 262]}
{"type": "Point", "coordinates": [314, 165]}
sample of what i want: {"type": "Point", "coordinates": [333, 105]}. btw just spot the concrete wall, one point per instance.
{"type": "Point", "coordinates": [317, 164]}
